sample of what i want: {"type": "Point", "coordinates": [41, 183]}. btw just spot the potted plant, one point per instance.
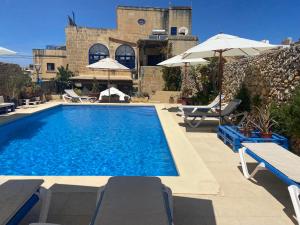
{"type": "Point", "coordinates": [247, 127]}
{"type": "Point", "coordinates": [95, 88]}
{"type": "Point", "coordinates": [264, 122]}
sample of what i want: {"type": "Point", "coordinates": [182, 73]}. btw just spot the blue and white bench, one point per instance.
{"type": "Point", "coordinates": [281, 162]}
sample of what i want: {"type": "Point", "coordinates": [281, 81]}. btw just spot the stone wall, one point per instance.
{"type": "Point", "coordinates": [151, 79]}
{"type": "Point", "coordinates": [273, 75]}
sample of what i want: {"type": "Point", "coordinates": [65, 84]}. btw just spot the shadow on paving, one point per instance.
{"type": "Point", "coordinates": [206, 126]}
{"type": "Point", "coordinates": [275, 187]}
{"type": "Point", "coordinates": [171, 109]}
{"type": "Point", "coordinates": [193, 211]}
{"type": "Point", "coordinates": [75, 205]}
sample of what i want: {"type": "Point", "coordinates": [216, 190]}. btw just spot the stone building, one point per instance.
{"type": "Point", "coordinates": [144, 36]}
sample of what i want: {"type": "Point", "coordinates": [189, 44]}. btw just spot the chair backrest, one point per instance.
{"type": "Point", "coordinates": [215, 102]}
{"type": "Point", "coordinates": [1, 99]}
{"type": "Point", "coordinates": [232, 105]}
{"type": "Point", "coordinates": [72, 93]}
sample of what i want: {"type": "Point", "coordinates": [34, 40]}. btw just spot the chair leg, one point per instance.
{"type": "Point", "coordinates": [260, 166]}
{"type": "Point", "coordinates": [46, 200]}
{"type": "Point", "coordinates": [191, 122]}
{"type": "Point", "coordinates": [295, 193]}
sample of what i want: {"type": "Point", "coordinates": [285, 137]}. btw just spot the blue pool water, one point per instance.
{"type": "Point", "coordinates": [86, 140]}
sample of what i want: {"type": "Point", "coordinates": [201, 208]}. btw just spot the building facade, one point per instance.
{"type": "Point", "coordinates": [143, 37]}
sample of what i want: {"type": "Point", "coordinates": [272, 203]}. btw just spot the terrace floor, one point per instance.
{"type": "Point", "coordinates": [238, 202]}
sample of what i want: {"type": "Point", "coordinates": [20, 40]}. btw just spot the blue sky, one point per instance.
{"type": "Point", "coordinates": [27, 24]}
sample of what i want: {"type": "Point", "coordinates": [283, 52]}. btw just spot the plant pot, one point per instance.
{"type": "Point", "coordinates": [171, 100]}
{"type": "Point", "coordinates": [246, 132]}
{"type": "Point", "coordinates": [266, 134]}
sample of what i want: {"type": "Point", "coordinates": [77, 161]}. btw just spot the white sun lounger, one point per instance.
{"type": "Point", "coordinates": [281, 162]}
{"type": "Point", "coordinates": [17, 198]}
{"type": "Point", "coordinates": [131, 201]}
{"type": "Point", "coordinates": [7, 106]}
{"type": "Point", "coordinates": [226, 114]}
{"type": "Point", "coordinates": [204, 108]}
{"type": "Point", "coordinates": [71, 95]}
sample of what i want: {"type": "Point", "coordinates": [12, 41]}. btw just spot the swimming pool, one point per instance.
{"type": "Point", "coordinates": [86, 141]}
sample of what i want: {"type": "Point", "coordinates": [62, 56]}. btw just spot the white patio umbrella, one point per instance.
{"type": "Point", "coordinates": [222, 45]}
{"type": "Point", "coordinates": [178, 60]}
{"type": "Point", "coordinates": [110, 65]}
{"type": "Point", "coordinates": [5, 51]}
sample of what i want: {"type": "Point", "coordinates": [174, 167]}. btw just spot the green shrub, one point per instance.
{"type": "Point", "coordinates": [172, 78]}
{"type": "Point", "coordinates": [244, 95]}
{"type": "Point", "coordinates": [287, 116]}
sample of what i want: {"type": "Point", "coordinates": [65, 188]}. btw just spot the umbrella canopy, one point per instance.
{"type": "Point", "coordinates": [222, 45]}
{"type": "Point", "coordinates": [109, 64]}
{"type": "Point", "coordinates": [113, 91]}
{"type": "Point", "coordinates": [5, 51]}
{"type": "Point", "coordinates": [179, 61]}
{"type": "Point", "coordinates": [229, 45]}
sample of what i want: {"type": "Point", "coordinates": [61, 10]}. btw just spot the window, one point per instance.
{"type": "Point", "coordinates": [153, 60]}
{"type": "Point", "coordinates": [141, 21]}
{"type": "Point", "coordinates": [173, 30]}
{"type": "Point", "coordinates": [126, 56]}
{"type": "Point", "coordinates": [98, 52]}
{"type": "Point", "coordinates": [50, 67]}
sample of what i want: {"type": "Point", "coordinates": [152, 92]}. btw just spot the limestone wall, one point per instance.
{"type": "Point", "coordinates": [151, 79]}
{"type": "Point", "coordinates": [182, 43]}
{"type": "Point", "coordinates": [45, 56]}
{"type": "Point", "coordinates": [272, 75]}
{"type": "Point", "coordinates": [153, 18]}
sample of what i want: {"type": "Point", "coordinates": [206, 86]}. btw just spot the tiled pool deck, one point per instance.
{"type": "Point", "coordinates": [211, 189]}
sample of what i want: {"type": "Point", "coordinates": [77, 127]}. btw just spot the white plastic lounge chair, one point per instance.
{"type": "Point", "coordinates": [281, 162]}
{"type": "Point", "coordinates": [226, 114]}
{"type": "Point", "coordinates": [71, 95]}
{"type": "Point", "coordinates": [131, 201]}
{"type": "Point", "coordinates": [5, 106]}
{"type": "Point", "coordinates": [203, 108]}
{"type": "Point", "coordinates": [17, 198]}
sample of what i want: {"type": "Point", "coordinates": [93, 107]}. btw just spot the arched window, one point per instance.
{"type": "Point", "coordinates": [126, 56]}
{"type": "Point", "coordinates": [98, 52]}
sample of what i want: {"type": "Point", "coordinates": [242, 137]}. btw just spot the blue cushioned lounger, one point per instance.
{"type": "Point", "coordinates": [282, 163]}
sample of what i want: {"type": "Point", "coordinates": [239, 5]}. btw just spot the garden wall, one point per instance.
{"type": "Point", "coordinates": [273, 75]}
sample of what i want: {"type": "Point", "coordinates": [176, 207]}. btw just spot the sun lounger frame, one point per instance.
{"type": "Point", "coordinates": [293, 187]}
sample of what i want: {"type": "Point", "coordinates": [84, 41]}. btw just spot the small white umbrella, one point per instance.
{"type": "Point", "coordinates": [222, 45]}
{"type": "Point", "coordinates": [110, 65]}
{"type": "Point", "coordinates": [179, 61]}
{"type": "Point", "coordinates": [5, 51]}
{"type": "Point", "coordinates": [113, 91]}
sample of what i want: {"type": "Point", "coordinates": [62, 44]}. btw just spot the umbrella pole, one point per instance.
{"type": "Point", "coordinates": [108, 86]}
{"type": "Point", "coordinates": [185, 74]}
{"type": "Point", "coordinates": [220, 86]}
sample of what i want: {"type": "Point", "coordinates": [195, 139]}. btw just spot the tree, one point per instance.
{"type": "Point", "coordinates": [172, 78]}
{"type": "Point", "coordinates": [12, 80]}
{"type": "Point", "coordinates": [63, 78]}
